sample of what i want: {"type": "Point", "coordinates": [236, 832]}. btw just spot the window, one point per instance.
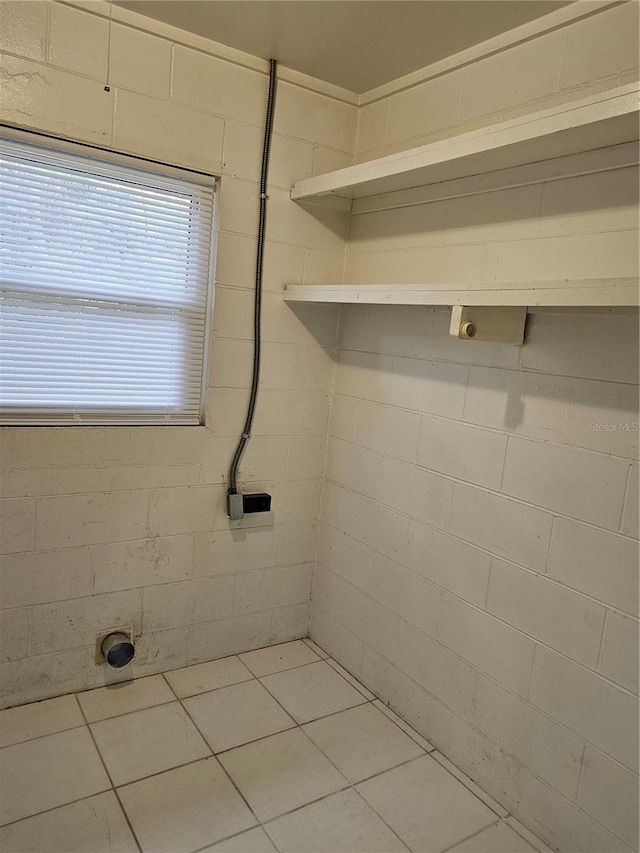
{"type": "Point", "coordinates": [105, 276]}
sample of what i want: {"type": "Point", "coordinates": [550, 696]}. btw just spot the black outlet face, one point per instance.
{"type": "Point", "coordinates": [256, 503]}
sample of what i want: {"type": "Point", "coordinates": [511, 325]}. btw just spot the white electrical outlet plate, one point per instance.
{"type": "Point", "coordinates": [127, 631]}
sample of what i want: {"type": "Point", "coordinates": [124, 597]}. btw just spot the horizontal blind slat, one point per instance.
{"type": "Point", "coordinates": [158, 216]}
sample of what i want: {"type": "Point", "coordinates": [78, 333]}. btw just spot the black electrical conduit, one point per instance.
{"type": "Point", "coordinates": [257, 318]}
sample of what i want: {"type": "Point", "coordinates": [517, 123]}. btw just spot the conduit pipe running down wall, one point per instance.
{"type": "Point", "coordinates": [235, 505]}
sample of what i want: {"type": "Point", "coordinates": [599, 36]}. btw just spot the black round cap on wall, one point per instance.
{"type": "Point", "coordinates": [121, 654]}
{"type": "Point", "coordinates": [118, 650]}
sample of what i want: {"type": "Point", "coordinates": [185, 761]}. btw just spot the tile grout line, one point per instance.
{"type": "Point", "coordinates": [61, 806]}
{"type": "Point", "coordinates": [47, 734]}
{"type": "Point", "coordinates": [258, 739]}
{"type": "Point", "coordinates": [452, 847]}
{"type": "Point", "coordinates": [289, 714]}
{"type": "Point", "coordinates": [313, 646]}
{"type": "Point", "coordinates": [463, 782]}
{"type": "Point", "coordinates": [265, 825]}
{"type": "Point", "coordinates": [314, 719]}
{"type": "Point", "coordinates": [128, 713]}
{"type": "Point", "coordinates": [350, 787]}
{"type": "Point", "coordinates": [544, 848]}
{"type": "Point", "coordinates": [395, 723]}
{"type": "Point", "coordinates": [384, 821]}
{"type": "Point", "coordinates": [231, 838]}
{"type": "Point", "coordinates": [55, 808]}
{"type": "Point", "coordinates": [395, 767]}
{"type": "Point", "coordinates": [106, 769]}
{"type": "Point", "coordinates": [336, 667]}
{"type": "Point", "coordinates": [213, 755]}
{"type": "Point", "coordinates": [213, 689]}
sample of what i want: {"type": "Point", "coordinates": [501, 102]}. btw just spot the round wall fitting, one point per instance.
{"type": "Point", "coordinates": [118, 650]}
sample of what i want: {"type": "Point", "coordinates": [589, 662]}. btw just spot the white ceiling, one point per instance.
{"type": "Point", "coordinates": [358, 44]}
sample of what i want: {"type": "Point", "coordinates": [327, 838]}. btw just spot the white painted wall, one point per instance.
{"type": "Point", "coordinates": [115, 526]}
{"type": "Point", "coordinates": [477, 559]}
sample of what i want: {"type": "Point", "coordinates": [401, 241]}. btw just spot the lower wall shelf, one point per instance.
{"type": "Point", "coordinates": [590, 292]}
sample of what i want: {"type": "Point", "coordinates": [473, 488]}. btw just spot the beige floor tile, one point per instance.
{"type": "Point", "coordinates": [238, 714]}
{"type": "Point", "coordinates": [312, 691]}
{"type": "Point", "coordinates": [494, 805]}
{"type": "Point", "coordinates": [253, 841]}
{"type": "Point", "coordinates": [203, 677]}
{"type": "Point", "coordinates": [94, 825]}
{"type": "Point", "coordinates": [47, 772]}
{"type": "Point", "coordinates": [425, 805]}
{"type": "Point", "coordinates": [124, 697]}
{"type": "Point", "coordinates": [496, 839]}
{"type": "Point", "coordinates": [39, 718]}
{"type": "Point", "coordinates": [406, 728]}
{"type": "Point", "coordinates": [148, 741]}
{"type": "Point", "coordinates": [185, 809]}
{"type": "Point", "coordinates": [361, 742]}
{"type": "Point", "coordinates": [277, 658]}
{"type": "Point", "coordinates": [281, 772]}
{"type": "Point", "coordinates": [351, 679]}
{"type": "Point", "coordinates": [342, 822]}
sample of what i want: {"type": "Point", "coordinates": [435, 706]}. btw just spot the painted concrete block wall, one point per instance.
{"type": "Point", "coordinates": [576, 228]}
{"type": "Point", "coordinates": [585, 56]}
{"type": "Point", "coordinates": [478, 555]}
{"type": "Point", "coordinates": [115, 526]}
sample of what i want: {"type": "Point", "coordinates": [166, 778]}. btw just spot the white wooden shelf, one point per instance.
{"type": "Point", "coordinates": [595, 122]}
{"type": "Point", "coordinates": [591, 292]}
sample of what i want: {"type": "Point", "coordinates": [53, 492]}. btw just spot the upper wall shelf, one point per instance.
{"type": "Point", "coordinates": [598, 121]}
{"type": "Point", "coordinates": [594, 292]}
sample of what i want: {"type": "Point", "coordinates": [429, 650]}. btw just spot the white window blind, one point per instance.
{"type": "Point", "coordinates": [104, 285]}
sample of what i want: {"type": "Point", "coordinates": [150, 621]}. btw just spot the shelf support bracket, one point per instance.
{"type": "Point", "coordinates": [500, 324]}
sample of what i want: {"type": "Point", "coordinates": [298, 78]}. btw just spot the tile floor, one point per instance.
{"type": "Point", "coordinates": [277, 749]}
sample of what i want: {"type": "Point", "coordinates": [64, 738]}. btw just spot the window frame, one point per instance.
{"type": "Point", "coordinates": [101, 155]}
